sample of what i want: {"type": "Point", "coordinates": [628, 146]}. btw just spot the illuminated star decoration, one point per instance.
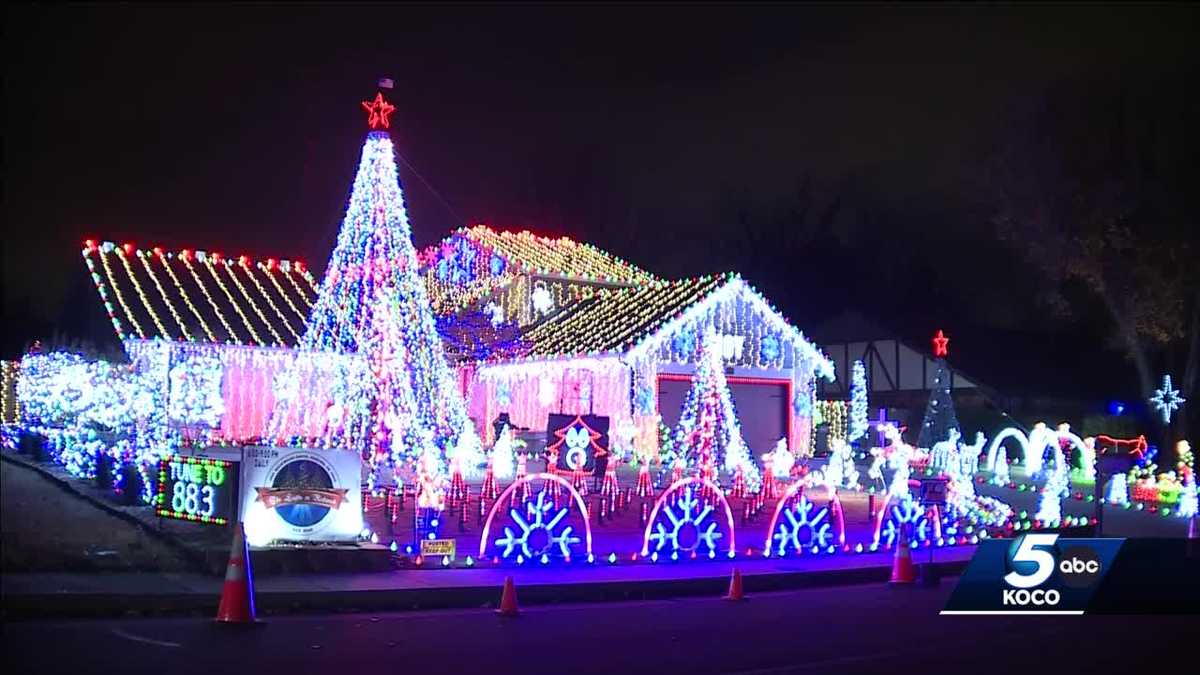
{"type": "Point", "coordinates": [941, 344]}
{"type": "Point", "coordinates": [378, 112]}
{"type": "Point", "coordinates": [1166, 400]}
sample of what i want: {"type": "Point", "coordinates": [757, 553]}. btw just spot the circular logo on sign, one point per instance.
{"type": "Point", "coordinates": [302, 474]}
{"type": "Point", "coordinates": [1079, 567]}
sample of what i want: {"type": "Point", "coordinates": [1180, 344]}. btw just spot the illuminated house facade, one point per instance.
{"type": "Point", "coordinates": [597, 334]}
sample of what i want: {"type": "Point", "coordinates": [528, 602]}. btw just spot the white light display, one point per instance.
{"type": "Point", "coordinates": [502, 455]}
{"type": "Point", "coordinates": [781, 460]}
{"type": "Point", "coordinates": [1166, 400]}
{"type": "Point", "coordinates": [858, 401]}
{"type": "Point", "coordinates": [1187, 498]}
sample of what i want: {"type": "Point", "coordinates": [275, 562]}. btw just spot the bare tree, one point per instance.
{"type": "Point", "coordinates": [1095, 187]}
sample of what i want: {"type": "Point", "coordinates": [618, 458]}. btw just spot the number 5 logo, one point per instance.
{"type": "Point", "coordinates": [1029, 551]}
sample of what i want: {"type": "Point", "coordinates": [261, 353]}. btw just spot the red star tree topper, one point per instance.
{"type": "Point", "coordinates": [941, 344]}
{"type": "Point", "coordinates": [378, 112]}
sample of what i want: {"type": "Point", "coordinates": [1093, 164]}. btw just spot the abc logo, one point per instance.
{"type": "Point", "coordinates": [1079, 567]}
{"type": "Point", "coordinates": [1032, 562]}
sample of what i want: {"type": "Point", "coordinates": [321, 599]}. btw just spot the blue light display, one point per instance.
{"type": "Point", "coordinates": [688, 529]}
{"type": "Point", "coordinates": [539, 533]}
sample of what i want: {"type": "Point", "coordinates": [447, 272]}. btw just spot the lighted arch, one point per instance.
{"type": "Point", "coordinates": [1008, 432]}
{"type": "Point", "coordinates": [675, 487]}
{"type": "Point", "coordinates": [1013, 432]}
{"type": "Point", "coordinates": [507, 494]}
{"type": "Point", "coordinates": [933, 513]}
{"type": "Point", "coordinates": [835, 505]}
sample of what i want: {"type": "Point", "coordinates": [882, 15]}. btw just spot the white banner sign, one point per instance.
{"type": "Point", "coordinates": [301, 494]}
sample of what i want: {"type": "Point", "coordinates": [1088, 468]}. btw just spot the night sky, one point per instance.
{"type": "Point", "coordinates": [832, 155]}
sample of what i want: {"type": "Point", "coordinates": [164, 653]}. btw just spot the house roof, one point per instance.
{"type": "Point", "coordinates": [200, 296]}
{"type": "Point", "coordinates": [627, 320]}
{"type": "Point", "coordinates": [525, 252]}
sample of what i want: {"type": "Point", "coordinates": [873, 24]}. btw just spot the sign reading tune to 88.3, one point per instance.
{"type": "Point", "coordinates": [199, 489]}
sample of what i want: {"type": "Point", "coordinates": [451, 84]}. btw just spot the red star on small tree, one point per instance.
{"type": "Point", "coordinates": [378, 112]}
{"type": "Point", "coordinates": [941, 344]}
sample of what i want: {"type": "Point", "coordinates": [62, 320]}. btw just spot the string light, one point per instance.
{"type": "Point", "coordinates": [112, 281]}
{"type": "Point", "coordinates": [142, 256]}
{"type": "Point", "coordinates": [270, 303]}
{"type": "Point", "coordinates": [230, 270]}
{"type": "Point", "coordinates": [207, 260]}
{"type": "Point", "coordinates": [89, 247]}
{"type": "Point", "coordinates": [187, 300]}
{"type": "Point", "coordinates": [290, 272]}
{"type": "Point", "coordinates": [269, 271]}
{"type": "Point", "coordinates": [137, 286]}
{"type": "Point", "coordinates": [186, 257]}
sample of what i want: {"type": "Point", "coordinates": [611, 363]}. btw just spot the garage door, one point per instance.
{"type": "Point", "coordinates": [761, 409]}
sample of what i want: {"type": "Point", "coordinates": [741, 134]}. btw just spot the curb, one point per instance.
{"type": "Point", "coordinates": [193, 556]}
{"type": "Point", "coordinates": [79, 605]}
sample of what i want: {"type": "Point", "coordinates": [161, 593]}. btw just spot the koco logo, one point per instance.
{"type": "Point", "coordinates": [1031, 563]}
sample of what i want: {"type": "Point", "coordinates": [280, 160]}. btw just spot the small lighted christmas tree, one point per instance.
{"type": "Point", "coordinates": [708, 428]}
{"type": "Point", "coordinates": [939, 414]}
{"type": "Point", "coordinates": [467, 452]}
{"type": "Point", "coordinates": [1187, 498]}
{"type": "Point", "coordinates": [1118, 490]}
{"type": "Point", "coordinates": [858, 402]}
{"type": "Point", "coordinates": [502, 455]}
{"type": "Point", "coordinates": [1000, 476]}
{"type": "Point", "coordinates": [1050, 504]}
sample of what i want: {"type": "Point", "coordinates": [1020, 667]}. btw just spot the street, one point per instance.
{"type": "Point", "coordinates": [864, 628]}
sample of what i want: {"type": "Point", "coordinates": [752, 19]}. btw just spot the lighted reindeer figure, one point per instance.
{"type": "Point", "coordinates": [968, 455]}
{"type": "Point", "coordinates": [899, 454]}
{"type": "Point", "coordinates": [945, 452]}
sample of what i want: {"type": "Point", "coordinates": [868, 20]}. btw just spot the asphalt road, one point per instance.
{"type": "Point", "coordinates": [867, 628]}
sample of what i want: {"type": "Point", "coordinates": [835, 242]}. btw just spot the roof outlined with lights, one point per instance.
{"type": "Point", "coordinates": [482, 249]}
{"type": "Point", "coordinates": [635, 321]}
{"type": "Point", "coordinates": [199, 296]}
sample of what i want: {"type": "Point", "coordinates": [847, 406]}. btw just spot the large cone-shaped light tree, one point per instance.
{"type": "Point", "coordinates": [373, 302]}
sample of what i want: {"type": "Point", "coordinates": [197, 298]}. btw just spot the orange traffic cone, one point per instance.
{"type": "Point", "coordinates": [903, 570]}
{"type": "Point", "coordinates": [735, 586]}
{"type": "Point", "coordinates": [508, 599]}
{"type": "Point", "coordinates": [237, 596]}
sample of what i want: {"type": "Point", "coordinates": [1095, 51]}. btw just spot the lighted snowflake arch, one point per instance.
{"type": "Point", "coordinates": [800, 517]}
{"type": "Point", "coordinates": [655, 529]}
{"type": "Point", "coordinates": [925, 525]}
{"type": "Point", "coordinates": [539, 515]}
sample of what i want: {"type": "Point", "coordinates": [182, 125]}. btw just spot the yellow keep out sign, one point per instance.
{"type": "Point", "coordinates": [438, 548]}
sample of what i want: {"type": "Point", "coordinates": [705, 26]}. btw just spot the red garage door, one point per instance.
{"type": "Point", "coordinates": [761, 405]}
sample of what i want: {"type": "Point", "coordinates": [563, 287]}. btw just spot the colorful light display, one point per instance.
{"type": "Point", "coordinates": [205, 319]}
{"type": "Point", "coordinates": [373, 302]}
{"type": "Point", "coordinates": [708, 428]}
{"type": "Point", "coordinates": [688, 529]}
{"type": "Point", "coordinates": [198, 489]}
